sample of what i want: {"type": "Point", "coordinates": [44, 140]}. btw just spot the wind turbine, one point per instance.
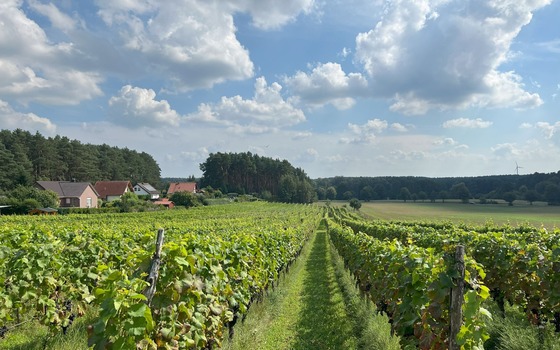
{"type": "Point", "coordinates": [517, 167]}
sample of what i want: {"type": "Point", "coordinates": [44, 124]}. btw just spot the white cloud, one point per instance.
{"type": "Point", "coordinates": [552, 46]}
{"type": "Point", "coordinates": [199, 155]}
{"type": "Point", "coordinates": [272, 14]}
{"type": "Point", "coordinates": [409, 104]}
{"type": "Point", "coordinates": [447, 141]}
{"type": "Point", "coordinates": [477, 123]}
{"type": "Point", "coordinates": [549, 130]}
{"type": "Point", "coordinates": [441, 54]}
{"type": "Point", "coordinates": [192, 43]}
{"type": "Point", "coordinates": [10, 119]}
{"type": "Point", "coordinates": [310, 155]}
{"type": "Point", "coordinates": [327, 83]}
{"type": "Point", "coordinates": [35, 69]}
{"type": "Point", "coordinates": [58, 19]}
{"type": "Point", "coordinates": [112, 11]}
{"type": "Point", "coordinates": [399, 127]}
{"type": "Point", "coordinates": [301, 135]}
{"type": "Point", "coordinates": [505, 90]}
{"type": "Point", "coordinates": [507, 150]}
{"type": "Point", "coordinates": [345, 52]}
{"type": "Point", "coordinates": [265, 112]}
{"type": "Point", "coordinates": [365, 133]}
{"type": "Point", "coordinates": [136, 107]}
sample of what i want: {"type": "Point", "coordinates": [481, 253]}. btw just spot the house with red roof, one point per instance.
{"type": "Point", "coordinates": [181, 187]}
{"type": "Point", "coordinates": [112, 190]}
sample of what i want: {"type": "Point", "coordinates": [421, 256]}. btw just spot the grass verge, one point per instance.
{"type": "Point", "coordinates": [315, 306]}
{"type": "Point", "coordinates": [514, 332]}
{"type": "Point", "coordinates": [34, 336]}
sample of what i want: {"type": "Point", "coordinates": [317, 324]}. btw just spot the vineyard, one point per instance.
{"type": "Point", "coordinates": [407, 269]}
{"type": "Point", "coordinates": [215, 262]}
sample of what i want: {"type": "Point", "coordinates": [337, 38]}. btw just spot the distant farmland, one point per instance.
{"type": "Point", "coordinates": [536, 215]}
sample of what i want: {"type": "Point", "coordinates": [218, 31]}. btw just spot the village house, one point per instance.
{"type": "Point", "coordinates": [112, 190]}
{"type": "Point", "coordinates": [72, 194]}
{"type": "Point", "coordinates": [181, 187]}
{"type": "Point", "coordinates": [145, 189]}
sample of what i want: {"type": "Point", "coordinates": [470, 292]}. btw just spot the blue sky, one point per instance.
{"type": "Point", "coordinates": [354, 88]}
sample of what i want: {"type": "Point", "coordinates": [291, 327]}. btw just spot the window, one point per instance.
{"type": "Point", "coordinates": [88, 202]}
{"type": "Point", "coordinates": [68, 200]}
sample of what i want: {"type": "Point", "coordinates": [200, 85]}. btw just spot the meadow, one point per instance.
{"type": "Point", "coordinates": [521, 213]}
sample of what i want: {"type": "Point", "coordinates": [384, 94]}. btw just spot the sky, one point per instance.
{"type": "Point", "coordinates": [337, 87]}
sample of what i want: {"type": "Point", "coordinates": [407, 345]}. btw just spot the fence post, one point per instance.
{"type": "Point", "coordinates": [457, 292]}
{"type": "Point", "coordinates": [154, 268]}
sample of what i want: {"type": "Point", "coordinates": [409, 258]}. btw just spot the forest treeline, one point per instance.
{"type": "Point", "coordinates": [26, 158]}
{"type": "Point", "coordinates": [267, 178]}
{"type": "Point", "coordinates": [530, 187]}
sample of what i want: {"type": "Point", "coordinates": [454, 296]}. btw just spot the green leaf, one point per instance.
{"type": "Point", "coordinates": [485, 312]}
{"type": "Point", "coordinates": [138, 296]}
{"type": "Point", "coordinates": [115, 275]}
{"type": "Point", "coordinates": [484, 292]}
{"type": "Point", "coordinates": [137, 310]}
{"type": "Point", "coordinates": [181, 261]}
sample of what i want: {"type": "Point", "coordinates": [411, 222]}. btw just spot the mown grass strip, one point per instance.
{"type": "Point", "coordinates": [316, 306]}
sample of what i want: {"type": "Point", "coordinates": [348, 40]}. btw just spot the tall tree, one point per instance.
{"type": "Point", "coordinates": [62, 159]}
{"type": "Point", "coordinates": [405, 194]}
{"type": "Point", "coordinates": [250, 173]}
{"type": "Point", "coordinates": [460, 191]}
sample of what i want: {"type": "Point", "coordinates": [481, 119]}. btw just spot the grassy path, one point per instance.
{"type": "Point", "coordinates": [316, 306]}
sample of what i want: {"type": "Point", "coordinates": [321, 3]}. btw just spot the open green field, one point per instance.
{"type": "Point", "coordinates": [536, 215]}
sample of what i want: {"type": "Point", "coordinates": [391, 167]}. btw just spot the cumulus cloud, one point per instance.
{"type": "Point", "coordinates": [399, 127]}
{"type": "Point", "coordinates": [136, 107]}
{"type": "Point", "coordinates": [365, 133]}
{"type": "Point", "coordinates": [446, 54]}
{"type": "Point", "coordinates": [192, 42]}
{"type": "Point", "coordinates": [35, 69]}
{"type": "Point", "coordinates": [327, 83]}
{"type": "Point", "coordinates": [507, 150]}
{"type": "Point", "coordinates": [265, 112]}
{"type": "Point", "coordinates": [477, 123]}
{"type": "Point", "coordinates": [11, 119]}
{"type": "Point", "coordinates": [57, 18]}
{"type": "Point", "coordinates": [272, 14]}
{"type": "Point", "coordinates": [446, 141]}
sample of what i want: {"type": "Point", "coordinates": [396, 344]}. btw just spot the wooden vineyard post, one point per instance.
{"type": "Point", "coordinates": [457, 292]}
{"type": "Point", "coordinates": [154, 268]}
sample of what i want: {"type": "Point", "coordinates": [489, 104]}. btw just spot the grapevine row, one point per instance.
{"type": "Point", "coordinates": [412, 285]}
{"type": "Point", "coordinates": [522, 267]}
{"type": "Point", "coordinates": [214, 263]}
